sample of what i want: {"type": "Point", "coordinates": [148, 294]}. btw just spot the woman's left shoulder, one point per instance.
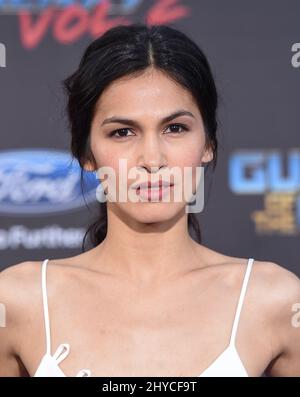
{"type": "Point", "coordinates": [284, 283]}
{"type": "Point", "coordinates": [277, 291]}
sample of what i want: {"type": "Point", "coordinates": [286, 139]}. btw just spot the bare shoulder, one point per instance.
{"type": "Point", "coordinates": [282, 297]}
{"type": "Point", "coordinates": [274, 302]}
{"type": "Point", "coordinates": [20, 294]}
{"type": "Point", "coordinates": [18, 274]}
{"type": "Point", "coordinates": [19, 270]}
{"type": "Point", "coordinates": [272, 287]}
{"type": "Point", "coordinates": [18, 297]}
{"type": "Point", "coordinates": [278, 283]}
{"type": "Point", "coordinates": [18, 287]}
{"type": "Point", "coordinates": [281, 286]}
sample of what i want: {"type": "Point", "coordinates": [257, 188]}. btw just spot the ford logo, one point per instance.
{"type": "Point", "coordinates": [39, 181]}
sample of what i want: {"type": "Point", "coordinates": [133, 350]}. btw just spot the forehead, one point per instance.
{"type": "Point", "coordinates": [152, 92]}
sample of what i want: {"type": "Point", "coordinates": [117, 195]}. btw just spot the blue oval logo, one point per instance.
{"type": "Point", "coordinates": [40, 181]}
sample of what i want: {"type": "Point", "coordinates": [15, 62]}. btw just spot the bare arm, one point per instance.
{"type": "Point", "coordinates": [10, 283]}
{"type": "Point", "coordinates": [286, 286]}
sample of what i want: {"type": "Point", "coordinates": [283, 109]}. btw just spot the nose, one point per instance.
{"type": "Point", "coordinates": [152, 156]}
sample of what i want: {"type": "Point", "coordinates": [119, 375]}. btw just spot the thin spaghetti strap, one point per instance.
{"type": "Point", "coordinates": [45, 306]}
{"type": "Point", "coordinates": [241, 300]}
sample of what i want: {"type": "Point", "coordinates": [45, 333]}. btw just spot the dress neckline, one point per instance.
{"type": "Point", "coordinates": [86, 372]}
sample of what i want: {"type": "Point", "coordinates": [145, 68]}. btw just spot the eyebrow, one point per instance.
{"type": "Point", "coordinates": [116, 119]}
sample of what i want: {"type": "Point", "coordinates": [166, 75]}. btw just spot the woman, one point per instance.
{"type": "Point", "coordinates": [147, 299]}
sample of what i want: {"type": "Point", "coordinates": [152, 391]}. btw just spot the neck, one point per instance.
{"type": "Point", "coordinates": [147, 252]}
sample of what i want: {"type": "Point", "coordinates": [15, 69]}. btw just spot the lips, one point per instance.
{"type": "Point", "coordinates": [154, 185]}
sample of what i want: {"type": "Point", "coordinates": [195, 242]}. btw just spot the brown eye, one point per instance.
{"type": "Point", "coordinates": [122, 133]}
{"type": "Point", "coordinates": [177, 126]}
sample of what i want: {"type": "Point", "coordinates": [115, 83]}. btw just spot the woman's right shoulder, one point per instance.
{"type": "Point", "coordinates": [22, 268]}
{"type": "Point", "coordinates": [20, 293]}
{"type": "Point", "coordinates": [19, 285]}
{"type": "Point", "coordinates": [19, 272]}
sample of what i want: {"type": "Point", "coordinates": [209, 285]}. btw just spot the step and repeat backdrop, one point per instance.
{"type": "Point", "coordinates": [252, 206]}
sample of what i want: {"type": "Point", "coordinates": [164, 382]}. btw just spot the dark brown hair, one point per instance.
{"type": "Point", "coordinates": [128, 50]}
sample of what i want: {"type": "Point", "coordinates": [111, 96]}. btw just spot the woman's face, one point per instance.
{"type": "Point", "coordinates": [148, 141]}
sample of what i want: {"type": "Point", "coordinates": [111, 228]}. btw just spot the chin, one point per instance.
{"type": "Point", "coordinates": [155, 212]}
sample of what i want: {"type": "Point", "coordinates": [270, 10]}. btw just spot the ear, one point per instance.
{"type": "Point", "coordinates": [88, 166]}
{"type": "Point", "coordinates": [207, 156]}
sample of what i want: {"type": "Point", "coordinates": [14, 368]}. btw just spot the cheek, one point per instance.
{"type": "Point", "coordinates": [107, 158]}
{"type": "Point", "coordinates": [105, 155]}
{"type": "Point", "coordinates": [189, 152]}
{"type": "Point", "coordinates": [188, 158]}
